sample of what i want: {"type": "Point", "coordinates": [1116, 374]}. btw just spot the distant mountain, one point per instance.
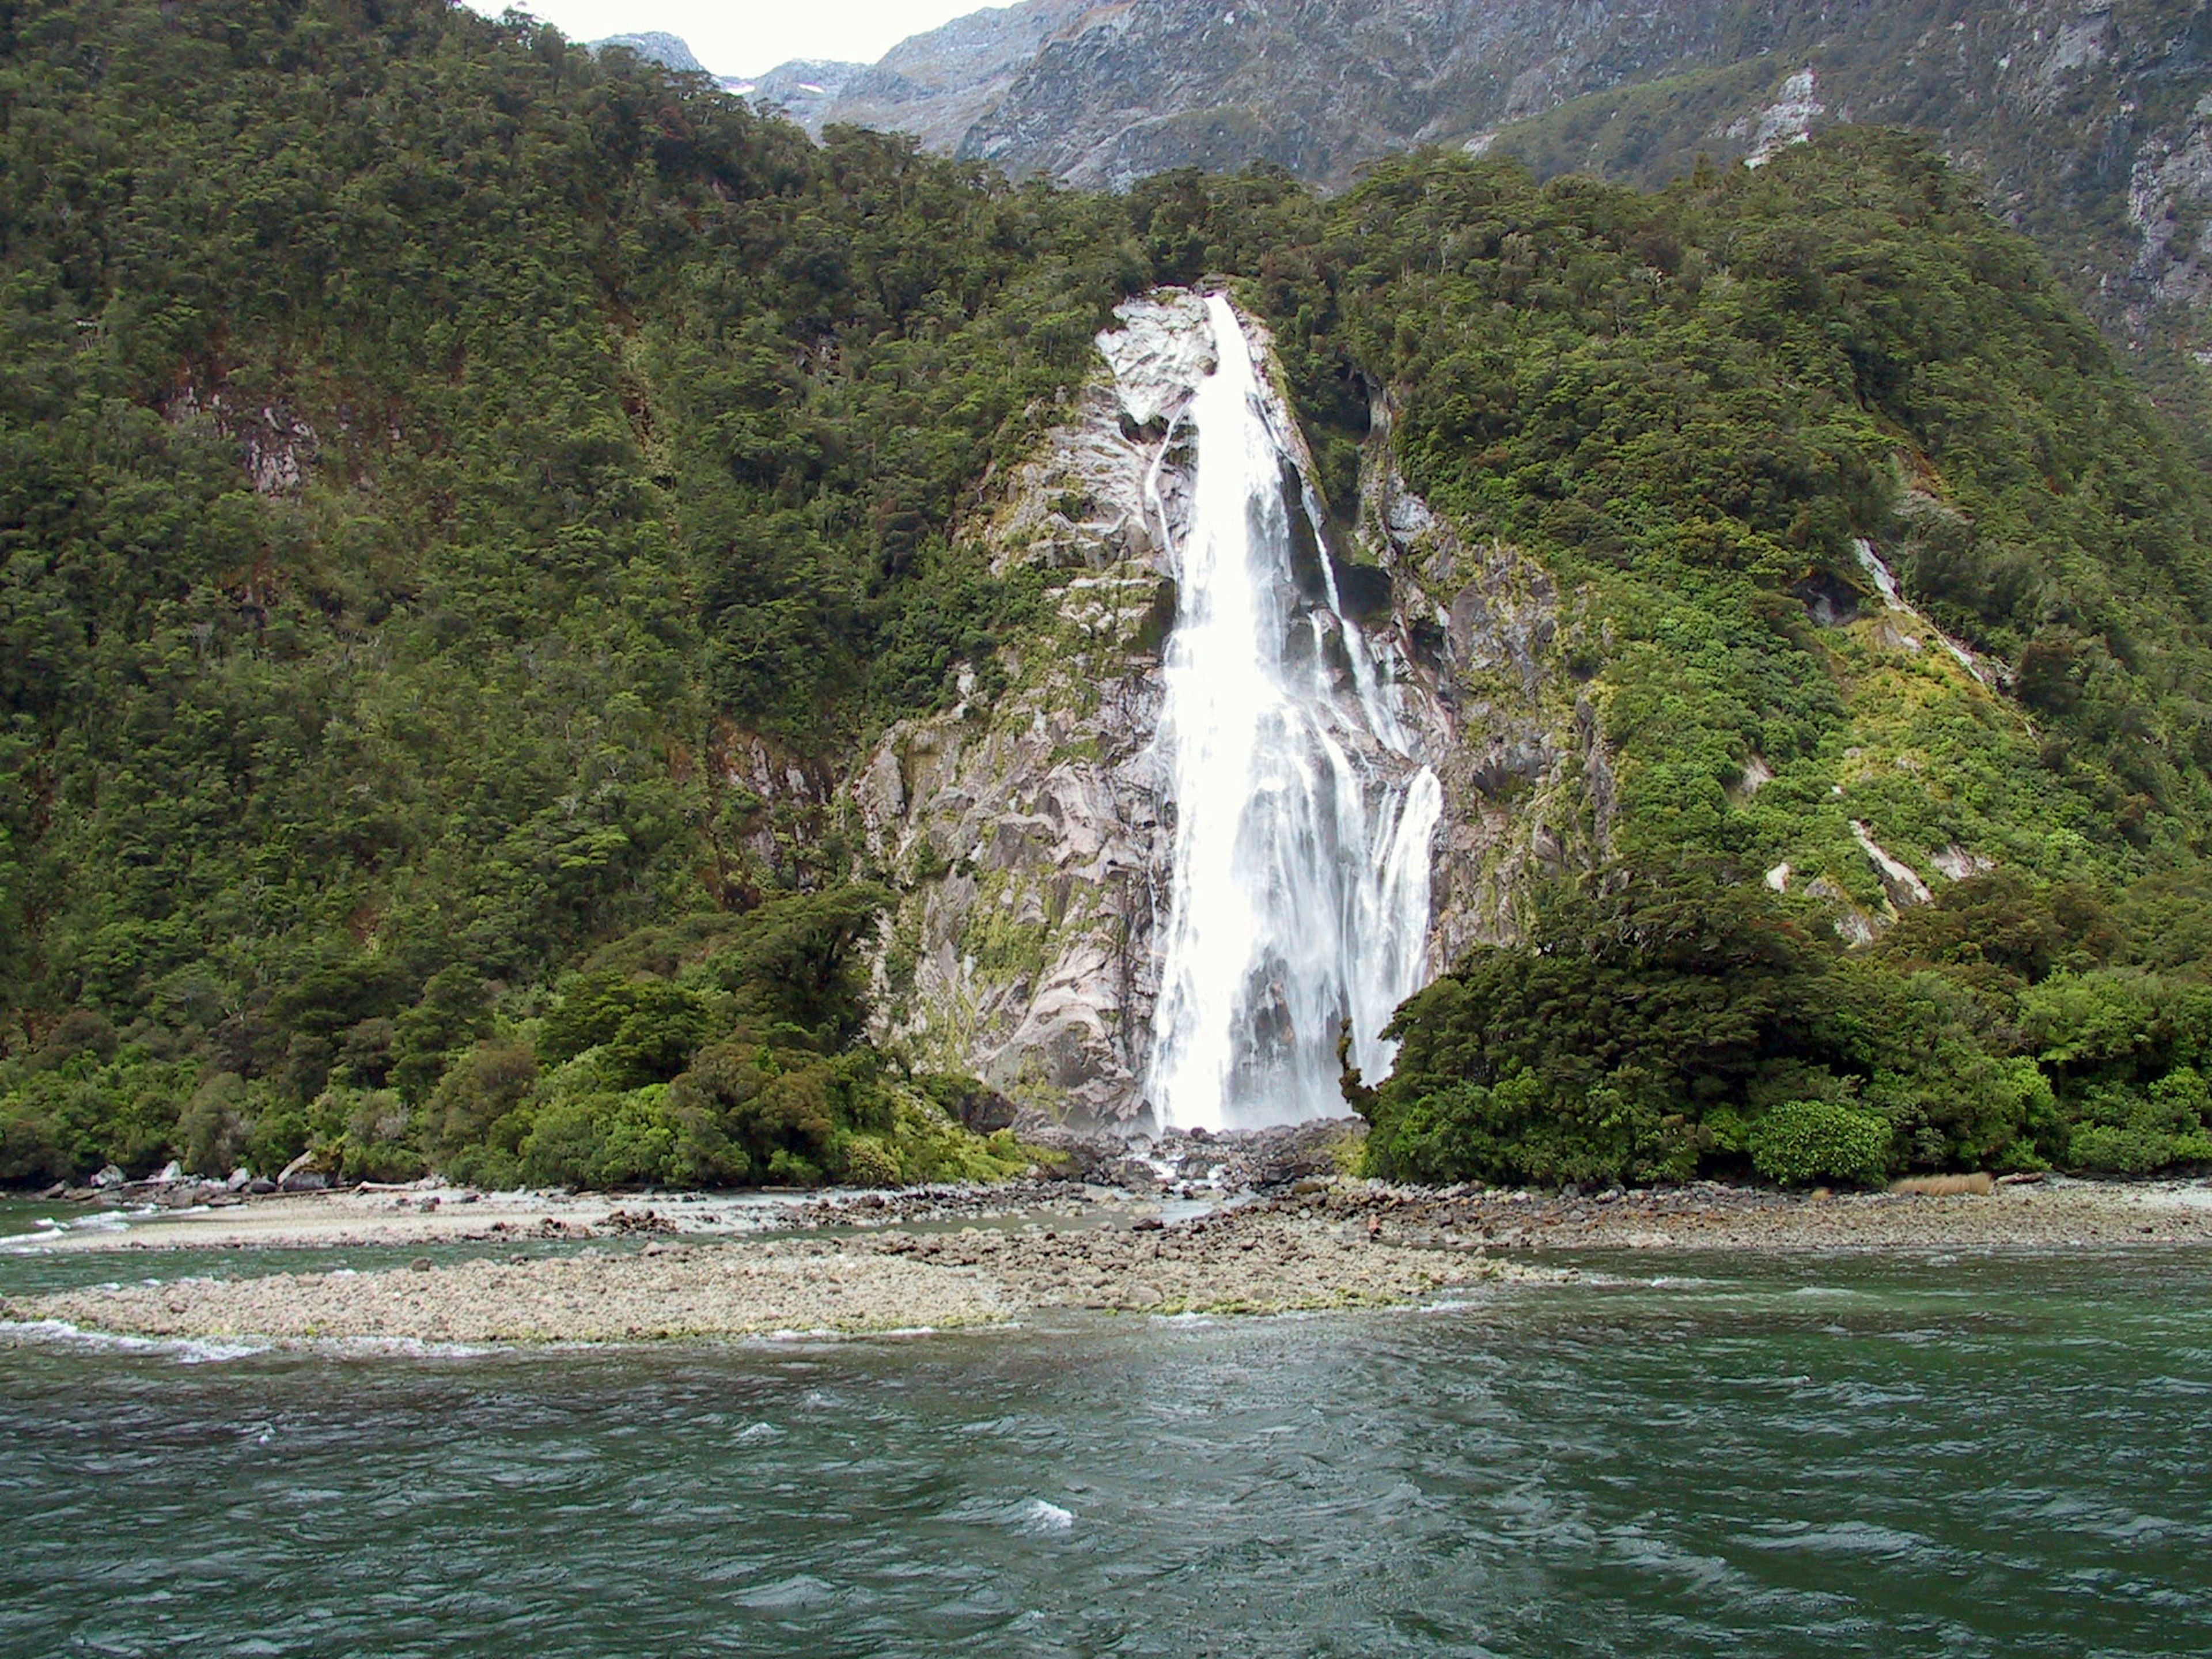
{"type": "Point", "coordinates": [2089, 123]}
{"type": "Point", "coordinates": [942, 85]}
{"type": "Point", "coordinates": [669, 51]}
{"type": "Point", "coordinates": [802, 89]}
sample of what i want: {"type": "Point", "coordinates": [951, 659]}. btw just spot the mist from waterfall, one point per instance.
{"type": "Point", "coordinates": [1302, 824]}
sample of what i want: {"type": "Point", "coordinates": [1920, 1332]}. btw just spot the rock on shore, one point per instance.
{"type": "Point", "coordinates": [1241, 1262]}
{"type": "Point", "coordinates": [731, 1289]}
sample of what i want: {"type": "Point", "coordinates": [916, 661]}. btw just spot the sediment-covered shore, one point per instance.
{"type": "Point", "coordinates": [947, 1258]}
{"type": "Point", "coordinates": [1247, 1260]}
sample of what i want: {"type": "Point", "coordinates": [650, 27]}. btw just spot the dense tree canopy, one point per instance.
{"type": "Point", "coordinates": [444, 474]}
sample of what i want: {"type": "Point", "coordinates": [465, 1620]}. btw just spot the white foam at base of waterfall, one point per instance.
{"type": "Point", "coordinates": [1299, 894]}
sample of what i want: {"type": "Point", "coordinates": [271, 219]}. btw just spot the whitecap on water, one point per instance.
{"type": "Point", "coordinates": [184, 1350]}
{"type": "Point", "coordinates": [1034, 1516]}
{"type": "Point", "coordinates": [754, 1433]}
{"type": "Point", "coordinates": [1038, 1516]}
{"type": "Point", "coordinates": [799, 1590]}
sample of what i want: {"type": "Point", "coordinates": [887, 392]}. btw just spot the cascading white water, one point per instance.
{"type": "Point", "coordinates": [1300, 882]}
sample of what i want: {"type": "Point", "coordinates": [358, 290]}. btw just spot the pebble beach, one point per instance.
{"type": "Point", "coordinates": [600, 1269]}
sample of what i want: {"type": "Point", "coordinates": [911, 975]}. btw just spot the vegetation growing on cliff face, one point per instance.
{"type": "Point", "coordinates": [1693, 407]}
{"type": "Point", "coordinates": [441, 472]}
{"type": "Point", "coordinates": [461, 500]}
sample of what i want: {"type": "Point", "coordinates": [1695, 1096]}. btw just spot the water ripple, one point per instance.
{"type": "Point", "coordinates": [1988, 1457]}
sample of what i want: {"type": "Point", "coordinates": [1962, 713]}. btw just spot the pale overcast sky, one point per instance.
{"type": "Point", "coordinates": [747, 37]}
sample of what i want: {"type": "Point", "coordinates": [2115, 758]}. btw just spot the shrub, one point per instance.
{"type": "Point", "coordinates": [647, 1029]}
{"type": "Point", "coordinates": [1805, 1140]}
{"type": "Point", "coordinates": [476, 1099]}
{"type": "Point", "coordinates": [378, 1140]}
{"type": "Point", "coordinates": [28, 1150]}
{"type": "Point", "coordinates": [215, 1125]}
{"type": "Point", "coordinates": [604, 1140]}
{"type": "Point", "coordinates": [869, 1163]}
{"type": "Point", "coordinates": [2124, 1131]}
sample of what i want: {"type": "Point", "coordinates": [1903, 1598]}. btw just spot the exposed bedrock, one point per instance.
{"type": "Point", "coordinates": [1030, 829]}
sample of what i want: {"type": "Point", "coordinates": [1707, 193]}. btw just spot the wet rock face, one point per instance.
{"type": "Point", "coordinates": [1524, 769]}
{"type": "Point", "coordinates": [1030, 831]}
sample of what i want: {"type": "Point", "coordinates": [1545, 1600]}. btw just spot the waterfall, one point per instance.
{"type": "Point", "coordinates": [1300, 880]}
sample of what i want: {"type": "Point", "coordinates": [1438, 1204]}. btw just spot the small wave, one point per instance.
{"type": "Point", "coordinates": [1845, 1538]}
{"type": "Point", "coordinates": [754, 1433]}
{"type": "Point", "coordinates": [799, 1591]}
{"type": "Point", "coordinates": [1038, 1516]}
{"type": "Point", "coordinates": [184, 1350]}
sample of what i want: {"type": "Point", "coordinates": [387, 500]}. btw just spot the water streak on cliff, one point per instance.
{"type": "Point", "coordinates": [1299, 896]}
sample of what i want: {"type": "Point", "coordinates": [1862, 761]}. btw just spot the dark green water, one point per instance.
{"type": "Point", "coordinates": [1980, 1455]}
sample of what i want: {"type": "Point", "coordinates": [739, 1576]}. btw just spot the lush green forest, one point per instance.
{"type": "Point", "coordinates": [450, 485]}
{"type": "Point", "coordinates": [442, 471]}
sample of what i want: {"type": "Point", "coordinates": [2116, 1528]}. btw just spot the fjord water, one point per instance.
{"type": "Point", "coordinates": [1971, 1456]}
{"type": "Point", "coordinates": [1299, 893]}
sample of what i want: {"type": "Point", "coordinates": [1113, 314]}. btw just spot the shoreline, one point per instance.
{"type": "Point", "coordinates": [722, 1265]}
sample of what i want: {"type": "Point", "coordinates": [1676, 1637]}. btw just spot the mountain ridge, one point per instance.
{"type": "Point", "coordinates": [2090, 122]}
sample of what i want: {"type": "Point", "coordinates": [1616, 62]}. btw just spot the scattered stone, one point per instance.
{"type": "Point", "coordinates": [1978, 1185]}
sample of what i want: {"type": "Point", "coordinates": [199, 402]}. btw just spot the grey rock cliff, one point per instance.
{"type": "Point", "coordinates": [1030, 832]}
{"type": "Point", "coordinates": [804, 90]}
{"type": "Point", "coordinates": [669, 51]}
{"type": "Point", "coordinates": [937, 85]}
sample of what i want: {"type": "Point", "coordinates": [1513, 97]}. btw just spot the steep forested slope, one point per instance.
{"type": "Point", "coordinates": [433, 458]}
{"type": "Point", "coordinates": [462, 502]}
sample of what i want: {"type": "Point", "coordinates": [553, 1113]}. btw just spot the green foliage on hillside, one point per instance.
{"type": "Point", "coordinates": [1690, 407]}
{"type": "Point", "coordinates": [1653, 1029]}
{"type": "Point", "coordinates": [462, 503]}
{"type": "Point", "coordinates": [1690, 404]}
{"type": "Point", "coordinates": [432, 459]}
{"type": "Point", "coordinates": [2042, 128]}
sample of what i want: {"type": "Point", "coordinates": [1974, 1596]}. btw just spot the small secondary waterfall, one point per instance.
{"type": "Point", "coordinates": [1300, 889]}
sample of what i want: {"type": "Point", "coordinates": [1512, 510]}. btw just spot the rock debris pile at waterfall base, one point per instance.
{"type": "Point", "coordinates": [1252, 1260]}
{"type": "Point", "coordinates": [884, 1262]}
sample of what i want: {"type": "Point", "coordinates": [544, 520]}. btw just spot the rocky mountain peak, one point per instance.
{"type": "Point", "coordinates": [2087, 120]}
